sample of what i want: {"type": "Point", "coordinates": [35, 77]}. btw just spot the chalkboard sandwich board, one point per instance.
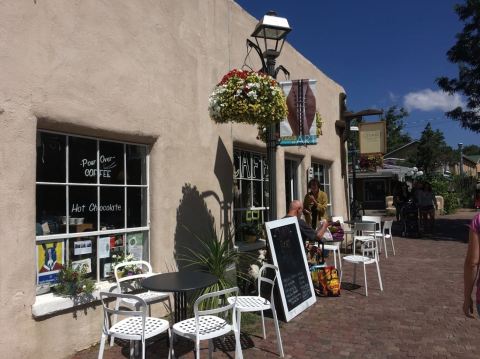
{"type": "Point", "coordinates": [288, 254]}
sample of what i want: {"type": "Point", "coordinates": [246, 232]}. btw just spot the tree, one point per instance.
{"type": "Point", "coordinates": [396, 137]}
{"type": "Point", "coordinates": [431, 149]}
{"type": "Point", "coordinates": [466, 53]}
{"type": "Point", "coordinates": [471, 150]}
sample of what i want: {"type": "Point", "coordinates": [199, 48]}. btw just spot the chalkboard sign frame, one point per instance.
{"type": "Point", "coordinates": [292, 312]}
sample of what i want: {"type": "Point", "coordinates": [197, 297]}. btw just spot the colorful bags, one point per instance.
{"type": "Point", "coordinates": [326, 281]}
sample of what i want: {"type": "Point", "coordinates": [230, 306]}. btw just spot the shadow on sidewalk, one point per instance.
{"type": "Point", "coordinates": [446, 229]}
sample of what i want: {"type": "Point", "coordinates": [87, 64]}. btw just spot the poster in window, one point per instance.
{"type": "Point", "coordinates": [49, 261]}
{"type": "Point", "coordinates": [82, 247]}
{"type": "Point", "coordinates": [135, 245]}
{"type": "Point", "coordinates": [83, 263]}
{"type": "Point", "coordinates": [103, 247]}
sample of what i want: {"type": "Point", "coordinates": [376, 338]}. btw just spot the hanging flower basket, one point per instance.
{"type": "Point", "coordinates": [247, 97]}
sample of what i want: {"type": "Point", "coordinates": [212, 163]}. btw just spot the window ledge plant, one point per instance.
{"type": "Point", "coordinates": [73, 282]}
{"type": "Point", "coordinates": [247, 97]}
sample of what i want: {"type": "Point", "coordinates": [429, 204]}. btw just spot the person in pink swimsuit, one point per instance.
{"type": "Point", "coordinates": [471, 267]}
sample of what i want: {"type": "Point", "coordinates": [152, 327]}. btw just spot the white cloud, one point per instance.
{"type": "Point", "coordinates": [429, 100]}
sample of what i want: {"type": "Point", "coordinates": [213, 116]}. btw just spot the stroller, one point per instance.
{"type": "Point", "coordinates": [409, 217]}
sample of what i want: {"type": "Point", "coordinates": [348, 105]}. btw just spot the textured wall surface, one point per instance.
{"type": "Point", "coordinates": [137, 71]}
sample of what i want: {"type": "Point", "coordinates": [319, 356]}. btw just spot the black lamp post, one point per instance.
{"type": "Point", "coordinates": [348, 117]}
{"type": "Point", "coordinates": [270, 34]}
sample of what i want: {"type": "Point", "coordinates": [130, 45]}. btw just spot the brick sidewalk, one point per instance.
{"type": "Point", "coordinates": [417, 316]}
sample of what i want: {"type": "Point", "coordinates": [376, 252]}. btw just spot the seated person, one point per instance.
{"type": "Point", "coordinates": [309, 236]}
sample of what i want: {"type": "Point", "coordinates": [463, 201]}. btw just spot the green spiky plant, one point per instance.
{"type": "Point", "coordinates": [216, 255]}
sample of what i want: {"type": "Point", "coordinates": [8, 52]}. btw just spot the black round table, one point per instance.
{"type": "Point", "coordinates": [179, 283]}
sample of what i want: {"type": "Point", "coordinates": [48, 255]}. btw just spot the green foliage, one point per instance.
{"type": "Point", "coordinates": [73, 282]}
{"type": "Point", "coordinates": [247, 97]}
{"type": "Point", "coordinates": [430, 148]}
{"type": "Point", "coordinates": [464, 187]}
{"type": "Point", "coordinates": [471, 150]}
{"type": "Point", "coordinates": [396, 137]}
{"type": "Point", "coordinates": [216, 255]}
{"type": "Point", "coordinates": [465, 53]}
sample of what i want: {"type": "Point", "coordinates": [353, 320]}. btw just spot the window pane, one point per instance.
{"type": "Point", "coordinates": [50, 157]}
{"type": "Point", "coordinates": [136, 164]}
{"type": "Point", "coordinates": [82, 208]}
{"type": "Point", "coordinates": [111, 163]}
{"type": "Point", "coordinates": [112, 207]}
{"type": "Point", "coordinates": [50, 206]}
{"type": "Point", "coordinates": [137, 207]}
{"type": "Point", "coordinates": [82, 166]}
{"type": "Point", "coordinates": [83, 251]}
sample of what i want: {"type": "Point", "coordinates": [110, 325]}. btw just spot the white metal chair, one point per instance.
{"type": "Point", "coordinates": [131, 282]}
{"type": "Point", "coordinates": [363, 232]}
{"type": "Point", "coordinates": [136, 326]}
{"type": "Point", "coordinates": [346, 231]}
{"type": "Point", "coordinates": [205, 326]}
{"type": "Point", "coordinates": [369, 256]}
{"type": "Point", "coordinates": [387, 234]}
{"type": "Point", "coordinates": [335, 248]}
{"type": "Point", "coordinates": [259, 303]}
{"type": "Point", "coordinates": [378, 227]}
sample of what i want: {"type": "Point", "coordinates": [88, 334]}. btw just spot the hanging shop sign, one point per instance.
{"type": "Point", "coordinates": [288, 254]}
{"type": "Point", "coordinates": [299, 128]}
{"type": "Point", "coordinates": [373, 137]}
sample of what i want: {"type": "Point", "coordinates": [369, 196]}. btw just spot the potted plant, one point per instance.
{"type": "Point", "coordinates": [247, 97]}
{"type": "Point", "coordinates": [251, 231]}
{"type": "Point", "coordinates": [73, 282]}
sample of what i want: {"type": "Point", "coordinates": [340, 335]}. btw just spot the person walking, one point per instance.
{"type": "Point", "coordinates": [471, 268]}
{"type": "Point", "coordinates": [315, 203]}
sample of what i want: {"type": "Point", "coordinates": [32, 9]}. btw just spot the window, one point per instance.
{"type": "Point", "coordinates": [250, 188]}
{"type": "Point", "coordinates": [322, 173]}
{"type": "Point", "coordinates": [91, 204]}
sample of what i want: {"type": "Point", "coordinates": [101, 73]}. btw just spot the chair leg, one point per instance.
{"type": "Point", "coordinates": [102, 346]}
{"type": "Point", "coordinates": [170, 347]}
{"type": "Point", "coordinates": [143, 348]}
{"type": "Point", "coordinates": [238, 345]}
{"type": "Point", "coordinates": [385, 245]}
{"type": "Point", "coordinates": [197, 349]}
{"type": "Point", "coordinates": [210, 348]}
{"type": "Point", "coordinates": [354, 245]}
{"type": "Point", "coordinates": [393, 247]}
{"type": "Point", "coordinates": [354, 273]}
{"type": "Point", "coordinates": [365, 276]}
{"type": "Point", "coordinates": [277, 329]}
{"type": "Point", "coordinates": [132, 349]}
{"type": "Point", "coordinates": [379, 277]}
{"type": "Point", "coordinates": [263, 326]}
{"type": "Point", "coordinates": [335, 258]}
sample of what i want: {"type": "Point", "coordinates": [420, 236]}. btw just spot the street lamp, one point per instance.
{"type": "Point", "coordinates": [460, 148]}
{"type": "Point", "coordinates": [270, 34]}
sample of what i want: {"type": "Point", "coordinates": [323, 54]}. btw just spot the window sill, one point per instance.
{"type": "Point", "coordinates": [49, 304]}
{"type": "Point", "coordinates": [249, 247]}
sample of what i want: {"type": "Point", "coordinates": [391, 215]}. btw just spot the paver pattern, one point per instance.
{"type": "Point", "coordinates": [418, 315]}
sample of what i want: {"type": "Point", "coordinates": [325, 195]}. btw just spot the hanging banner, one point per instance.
{"type": "Point", "coordinates": [300, 128]}
{"type": "Point", "coordinates": [373, 137]}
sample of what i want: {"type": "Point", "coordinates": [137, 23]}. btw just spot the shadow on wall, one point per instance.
{"type": "Point", "coordinates": [194, 220]}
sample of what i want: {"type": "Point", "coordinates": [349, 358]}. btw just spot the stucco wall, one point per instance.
{"type": "Point", "coordinates": [139, 71]}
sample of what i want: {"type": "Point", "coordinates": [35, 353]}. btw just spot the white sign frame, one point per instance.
{"type": "Point", "coordinates": [289, 314]}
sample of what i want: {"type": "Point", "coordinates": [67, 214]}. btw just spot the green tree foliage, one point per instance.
{"type": "Point", "coordinates": [431, 149]}
{"type": "Point", "coordinates": [471, 150]}
{"type": "Point", "coordinates": [466, 53]}
{"type": "Point", "coordinates": [396, 137]}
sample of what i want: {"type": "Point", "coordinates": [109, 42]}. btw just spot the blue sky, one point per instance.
{"type": "Point", "coordinates": [383, 53]}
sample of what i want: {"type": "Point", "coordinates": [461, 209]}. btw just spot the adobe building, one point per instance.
{"type": "Point", "coordinates": [107, 146]}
